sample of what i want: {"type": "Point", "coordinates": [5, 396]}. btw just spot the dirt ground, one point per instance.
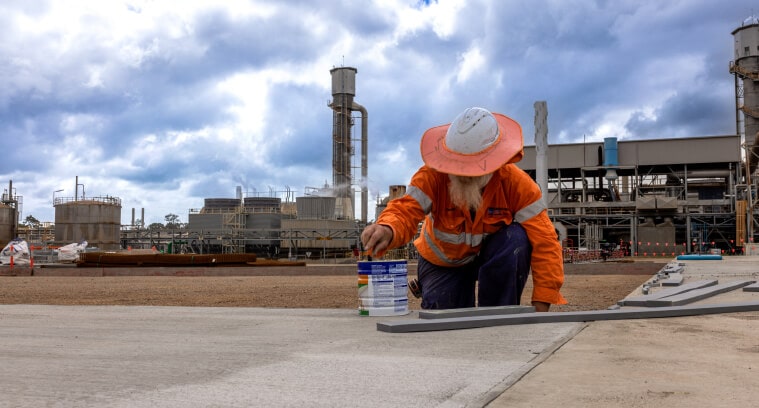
{"type": "Point", "coordinates": [583, 291]}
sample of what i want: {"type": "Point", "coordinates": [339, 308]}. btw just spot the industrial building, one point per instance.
{"type": "Point", "coordinates": [662, 196]}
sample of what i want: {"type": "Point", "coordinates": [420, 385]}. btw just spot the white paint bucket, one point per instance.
{"type": "Point", "coordinates": [382, 288]}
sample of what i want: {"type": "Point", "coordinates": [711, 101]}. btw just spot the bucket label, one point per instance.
{"type": "Point", "coordinates": [382, 288]}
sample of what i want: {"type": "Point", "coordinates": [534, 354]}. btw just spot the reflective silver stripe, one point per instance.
{"type": "Point", "coordinates": [461, 238]}
{"type": "Point", "coordinates": [423, 199]}
{"type": "Point", "coordinates": [442, 256]}
{"type": "Point", "coordinates": [530, 211]}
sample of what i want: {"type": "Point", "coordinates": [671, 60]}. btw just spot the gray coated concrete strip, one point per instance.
{"type": "Point", "coordinates": [641, 300]}
{"type": "Point", "coordinates": [475, 311]}
{"type": "Point", "coordinates": [698, 294]}
{"type": "Point", "coordinates": [674, 279]}
{"type": "Point", "coordinates": [408, 326]}
{"type": "Point", "coordinates": [751, 288]}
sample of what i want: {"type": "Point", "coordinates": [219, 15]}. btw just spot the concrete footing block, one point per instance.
{"type": "Point", "coordinates": [474, 311]}
{"type": "Point", "coordinates": [421, 325]}
{"type": "Point", "coordinates": [697, 294]}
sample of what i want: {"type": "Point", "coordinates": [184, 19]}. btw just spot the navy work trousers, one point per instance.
{"type": "Point", "coordinates": [501, 268]}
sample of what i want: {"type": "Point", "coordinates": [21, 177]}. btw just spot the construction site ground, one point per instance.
{"type": "Point", "coordinates": [294, 338]}
{"type": "Point", "coordinates": [587, 286]}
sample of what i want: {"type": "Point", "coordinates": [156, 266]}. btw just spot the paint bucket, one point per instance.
{"type": "Point", "coordinates": [382, 288]}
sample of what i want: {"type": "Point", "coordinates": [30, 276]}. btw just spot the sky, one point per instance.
{"type": "Point", "coordinates": [163, 104]}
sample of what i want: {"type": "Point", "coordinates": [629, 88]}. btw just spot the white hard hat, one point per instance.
{"type": "Point", "coordinates": [477, 142]}
{"type": "Point", "coordinates": [473, 131]}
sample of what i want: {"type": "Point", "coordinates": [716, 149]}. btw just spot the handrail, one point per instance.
{"type": "Point", "coordinates": [83, 200]}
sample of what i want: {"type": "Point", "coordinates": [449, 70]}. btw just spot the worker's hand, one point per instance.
{"type": "Point", "coordinates": [541, 306]}
{"type": "Point", "coordinates": [376, 239]}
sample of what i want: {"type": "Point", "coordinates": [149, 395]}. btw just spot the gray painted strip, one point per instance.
{"type": "Point", "coordinates": [420, 325]}
{"type": "Point", "coordinates": [698, 294]}
{"type": "Point", "coordinates": [751, 288]}
{"type": "Point", "coordinates": [475, 311]}
{"type": "Point", "coordinates": [674, 279]}
{"type": "Point", "coordinates": [641, 300]}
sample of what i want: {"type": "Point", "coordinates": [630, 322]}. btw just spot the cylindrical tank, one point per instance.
{"type": "Point", "coordinates": [220, 204]}
{"type": "Point", "coordinates": [315, 208]}
{"type": "Point", "coordinates": [746, 67]}
{"type": "Point", "coordinates": [95, 220]}
{"type": "Point", "coordinates": [8, 218]}
{"type": "Point", "coordinates": [343, 80]}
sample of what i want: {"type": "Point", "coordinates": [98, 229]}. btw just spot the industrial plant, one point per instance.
{"type": "Point", "coordinates": [657, 197]}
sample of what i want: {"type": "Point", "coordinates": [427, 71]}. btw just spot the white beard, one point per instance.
{"type": "Point", "coordinates": [466, 192]}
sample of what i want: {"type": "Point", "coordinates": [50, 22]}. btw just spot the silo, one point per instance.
{"type": "Point", "coordinates": [8, 216]}
{"type": "Point", "coordinates": [745, 67]}
{"type": "Point", "coordinates": [95, 220]}
{"type": "Point", "coordinates": [8, 221]}
{"type": "Point", "coordinates": [343, 105]}
{"type": "Point", "coordinates": [220, 204]}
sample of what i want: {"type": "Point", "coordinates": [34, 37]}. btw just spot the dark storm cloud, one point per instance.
{"type": "Point", "coordinates": [682, 115]}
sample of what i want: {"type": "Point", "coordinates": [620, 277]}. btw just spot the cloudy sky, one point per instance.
{"type": "Point", "coordinates": [165, 103]}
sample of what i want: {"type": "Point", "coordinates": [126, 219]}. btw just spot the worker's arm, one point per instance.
{"type": "Point", "coordinates": [541, 306]}
{"type": "Point", "coordinates": [546, 262]}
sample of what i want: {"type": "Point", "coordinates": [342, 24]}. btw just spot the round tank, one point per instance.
{"type": "Point", "coordinates": [343, 80]}
{"type": "Point", "coordinates": [221, 203]}
{"type": "Point", "coordinates": [8, 217]}
{"type": "Point", "coordinates": [315, 208]}
{"type": "Point", "coordinates": [95, 220]}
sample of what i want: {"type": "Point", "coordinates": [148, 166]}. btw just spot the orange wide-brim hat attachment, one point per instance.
{"type": "Point", "coordinates": [506, 148]}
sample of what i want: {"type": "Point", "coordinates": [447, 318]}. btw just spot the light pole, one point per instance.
{"type": "Point", "coordinates": [56, 191]}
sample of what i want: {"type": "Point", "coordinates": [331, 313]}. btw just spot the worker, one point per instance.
{"type": "Point", "coordinates": [484, 219]}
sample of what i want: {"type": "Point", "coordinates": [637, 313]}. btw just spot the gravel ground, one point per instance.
{"type": "Point", "coordinates": [583, 291]}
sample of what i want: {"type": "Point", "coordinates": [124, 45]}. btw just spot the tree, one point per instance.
{"type": "Point", "coordinates": [172, 220]}
{"type": "Point", "coordinates": [30, 221]}
{"type": "Point", "coordinates": [155, 226]}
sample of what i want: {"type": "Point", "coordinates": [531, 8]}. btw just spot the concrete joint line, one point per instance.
{"type": "Point", "coordinates": [517, 375]}
{"type": "Point", "coordinates": [420, 325]}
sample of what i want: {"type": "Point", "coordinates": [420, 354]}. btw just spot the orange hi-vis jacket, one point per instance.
{"type": "Point", "coordinates": [450, 237]}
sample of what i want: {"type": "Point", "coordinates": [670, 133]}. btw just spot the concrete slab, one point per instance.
{"type": "Point", "coordinates": [751, 288]}
{"type": "Point", "coordinates": [704, 361]}
{"type": "Point", "coordinates": [136, 356]}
